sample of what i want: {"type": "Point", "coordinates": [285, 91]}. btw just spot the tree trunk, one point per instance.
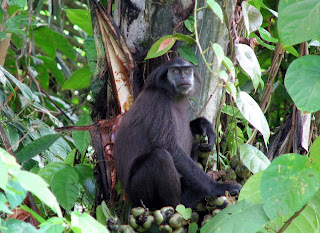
{"type": "Point", "coordinates": [143, 22]}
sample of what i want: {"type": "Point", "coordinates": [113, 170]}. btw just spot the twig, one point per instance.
{"type": "Point", "coordinates": [287, 223]}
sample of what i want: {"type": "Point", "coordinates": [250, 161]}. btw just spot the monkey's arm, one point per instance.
{"type": "Point", "coordinates": [204, 128]}
{"type": "Point", "coordinates": [197, 178]}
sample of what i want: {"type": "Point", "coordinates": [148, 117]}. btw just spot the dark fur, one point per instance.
{"type": "Point", "coordinates": [154, 143]}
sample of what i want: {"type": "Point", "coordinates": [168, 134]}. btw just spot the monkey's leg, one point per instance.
{"type": "Point", "coordinates": [154, 180]}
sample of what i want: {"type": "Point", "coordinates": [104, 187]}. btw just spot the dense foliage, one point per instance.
{"type": "Point", "coordinates": [271, 84]}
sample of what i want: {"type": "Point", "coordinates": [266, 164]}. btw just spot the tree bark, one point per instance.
{"type": "Point", "coordinates": [142, 22]}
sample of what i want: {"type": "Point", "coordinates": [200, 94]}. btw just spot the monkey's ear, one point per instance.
{"type": "Point", "coordinates": [157, 76]}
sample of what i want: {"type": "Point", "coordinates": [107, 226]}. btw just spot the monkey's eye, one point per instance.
{"type": "Point", "coordinates": [175, 71]}
{"type": "Point", "coordinates": [187, 71]}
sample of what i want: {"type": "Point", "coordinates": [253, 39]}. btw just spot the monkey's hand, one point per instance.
{"type": "Point", "coordinates": [201, 126]}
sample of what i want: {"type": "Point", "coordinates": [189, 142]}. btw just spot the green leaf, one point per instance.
{"type": "Point", "coordinates": [36, 147]}
{"type": "Point", "coordinates": [237, 218]}
{"type": "Point", "coordinates": [3, 35]}
{"type": "Point", "coordinates": [249, 63]}
{"type": "Point", "coordinates": [17, 226]}
{"type": "Point", "coordinates": [288, 184]}
{"type": "Point", "coordinates": [82, 139]}
{"type": "Point", "coordinates": [251, 189]}
{"type": "Point", "coordinates": [91, 54]}
{"type": "Point", "coordinates": [252, 17]}
{"type": "Point", "coordinates": [268, 46]}
{"type": "Point", "coordinates": [253, 158]}
{"type": "Point", "coordinates": [185, 212]}
{"type": "Point", "coordinates": [161, 46]}
{"type": "Point", "coordinates": [4, 176]}
{"type": "Point", "coordinates": [187, 53]}
{"type": "Point", "coordinates": [189, 23]}
{"type": "Point", "coordinates": [218, 51]}
{"type": "Point", "coordinates": [80, 79]}
{"type": "Point", "coordinates": [19, 3]}
{"type": "Point", "coordinates": [35, 184]}
{"type": "Point", "coordinates": [3, 205]}
{"type": "Point", "coordinates": [292, 50]}
{"type": "Point", "coordinates": [266, 35]}
{"type": "Point", "coordinates": [188, 39]}
{"type": "Point", "coordinates": [253, 113]}
{"type": "Point", "coordinates": [86, 179]}
{"type": "Point", "coordinates": [49, 41]}
{"type": "Point", "coordinates": [86, 223]}
{"type": "Point", "coordinates": [48, 172]}
{"type": "Point", "coordinates": [227, 63]}
{"type": "Point", "coordinates": [81, 18]}
{"type": "Point", "coordinates": [298, 21]}
{"type": "Point", "coordinates": [216, 8]}
{"type": "Point", "coordinates": [15, 193]}
{"type": "Point", "coordinates": [26, 91]}
{"type": "Point", "coordinates": [14, 23]}
{"type": "Point", "coordinates": [314, 153]}
{"type": "Point", "coordinates": [65, 186]}
{"type": "Point", "coordinates": [302, 82]}
{"type": "Point", "coordinates": [193, 228]}
{"type": "Point", "coordinates": [51, 66]}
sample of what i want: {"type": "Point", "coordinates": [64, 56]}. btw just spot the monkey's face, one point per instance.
{"type": "Point", "coordinates": [181, 79]}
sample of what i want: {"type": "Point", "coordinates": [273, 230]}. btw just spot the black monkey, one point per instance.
{"type": "Point", "coordinates": [154, 142]}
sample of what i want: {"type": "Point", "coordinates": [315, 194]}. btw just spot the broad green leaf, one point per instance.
{"type": "Point", "coordinates": [252, 17]}
{"type": "Point", "coordinates": [187, 53]}
{"type": "Point", "coordinates": [100, 216]}
{"type": "Point", "coordinates": [12, 134]}
{"type": "Point", "coordinates": [26, 91]}
{"type": "Point", "coordinates": [306, 222]}
{"type": "Point", "coordinates": [161, 46]}
{"type": "Point", "coordinates": [227, 63]}
{"type": "Point", "coordinates": [243, 217]}
{"type": "Point", "coordinates": [185, 212]}
{"type": "Point", "coordinates": [19, 3]}
{"type": "Point", "coordinates": [252, 112]}
{"type": "Point", "coordinates": [227, 109]}
{"type": "Point", "coordinates": [49, 41]}
{"type": "Point", "coordinates": [81, 18]}
{"type": "Point", "coordinates": [289, 182]}
{"type": "Point", "coordinates": [3, 35]}
{"type": "Point", "coordinates": [82, 139]}
{"type": "Point", "coordinates": [51, 66]}
{"type": "Point", "coordinates": [86, 223]}
{"type": "Point", "coordinates": [65, 185]}
{"type": "Point", "coordinates": [91, 54]}
{"type": "Point", "coordinates": [268, 46]}
{"type": "Point", "coordinates": [302, 82]}
{"type": "Point", "coordinates": [36, 185]}
{"type": "Point", "coordinates": [292, 50]}
{"type": "Point", "coordinates": [3, 205]}
{"type": "Point", "coordinates": [253, 158]}
{"type": "Point", "coordinates": [249, 63]}
{"type": "Point", "coordinates": [48, 172]}
{"type": "Point", "coordinates": [298, 21]}
{"type": "Point", "coordinates": [80, 79]}
{"type": "Point", "coordinates": [36, 147]}
{"type": "Point", "coordinates": [314, 153]}
{"type": "Point", "coordinates": [86, 179]}
{"type": "Point", "coordinates": [216, 8]}
{"type": "Point", "coordinates": [218, 51]}
{"type": "Point", "coordinates": [13, 24]}
{"type": "Point", "coordinates": [193, 227]}
{"type": "Point", "coordinates": [17, 226]}
{"type": "Point", "coordinates": [53, 225]}
{"type": "Point", "coordinates": [4, 176]}
{"type": "Point", "coordinates": [189, 23]}
{"type": "Point", "coordinates": [266, 35]}
{"type": "Point", "coordinates": [182, 37]}
{"type": "Point", "coordinates": [251, 189]}
{"type": "Point", "coordinates": [10, 162]}
{"type": "Point", "coordinates": [15, 193]}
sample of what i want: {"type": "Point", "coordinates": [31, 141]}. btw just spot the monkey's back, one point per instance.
{"type": "Point", "coordinates": [154, 120]}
